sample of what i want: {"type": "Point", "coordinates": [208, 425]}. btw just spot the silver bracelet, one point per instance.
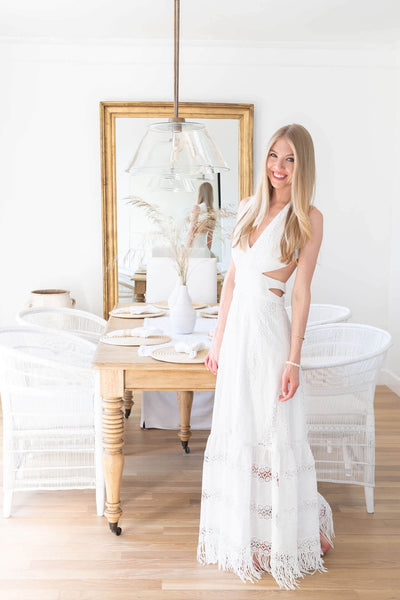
{"type": "Point", "coordinates": [289, 362]}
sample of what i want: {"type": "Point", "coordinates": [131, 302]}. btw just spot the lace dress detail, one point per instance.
{"type": "Point", "coordinates": [260, 504]}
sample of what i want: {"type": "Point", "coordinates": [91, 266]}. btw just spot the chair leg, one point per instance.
{"type": "Point", "coordinates": [369, 498]}
{"type": "Point", "coordinates": [7, 502]}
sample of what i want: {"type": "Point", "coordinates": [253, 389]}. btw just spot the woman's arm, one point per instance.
{"type": "Point", "coordinates": [301, 298]}
{"type": "Point", "coordinates": [212, 358]}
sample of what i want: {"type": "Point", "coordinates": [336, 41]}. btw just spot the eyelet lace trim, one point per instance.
{"type": "Point", "coordinates": [265, 473]}
{"type": "Point", "coordinates": [265, 511]}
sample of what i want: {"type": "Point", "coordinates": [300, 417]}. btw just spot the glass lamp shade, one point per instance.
{"type": "Point", "coordinates": [172, 182]}
{"type": "Point", "coordinates": [177, 149]}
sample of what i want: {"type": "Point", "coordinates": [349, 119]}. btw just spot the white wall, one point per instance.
{"type": "Point", "coordinates": [392, 366]}
{"type": "Point", "coordinates": [50, 215]}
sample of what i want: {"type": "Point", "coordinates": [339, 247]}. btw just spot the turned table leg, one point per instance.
{"type": "Point", "coordinates": [112, 390]}
{"type": "Point", "coordinates": [128, 403]}
{"type": "Point", "coordinates": [185, 401]}
{"type": "Point", "coordinates": [140, 291]}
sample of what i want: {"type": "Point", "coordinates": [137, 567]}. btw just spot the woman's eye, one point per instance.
{"type": "Point", "coordinates": [290, 159]}
{"type": "Point", "coordinates": [273, 154]}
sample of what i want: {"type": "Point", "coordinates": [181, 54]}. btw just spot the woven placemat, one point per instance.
{"type": "Point", "coordinates": [164, 304]}
{"type": "Point", "coordinates": [168, 354]}
{"type": "Point", "coordinates": [208, 315]}
{"type": "Point", "coordinates": [130, 340]}
{"type": "Point", "coordinates": [141, 316]}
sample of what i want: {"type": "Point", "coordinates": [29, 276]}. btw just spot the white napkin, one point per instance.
{"type": "Point", "coordinates": [190, 348]}
{"type": "Point", "coordinates": [211, 310]}
{"type": "Point", "coordinates": [143, 332]}
{"type": "Point", "coordinates": [147, 350]}
{"type": "Point", "coordinates": [135, 310]}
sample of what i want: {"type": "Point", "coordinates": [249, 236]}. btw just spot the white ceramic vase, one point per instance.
{"type": "Point", "coordinates": [182, 314]}
{"type": "Point", "coordinates": [174, 295]}
{"type": "Point", "coordinates": [53, 298]}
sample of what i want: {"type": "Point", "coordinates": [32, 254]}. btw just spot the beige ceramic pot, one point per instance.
{"type": "Point", "coordinates": [54, 298]}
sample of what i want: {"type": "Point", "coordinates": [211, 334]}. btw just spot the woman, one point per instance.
{"type": "Point", "coordinates": [260, 509]}
{"type": "Point", "coordinates": [202, 219]}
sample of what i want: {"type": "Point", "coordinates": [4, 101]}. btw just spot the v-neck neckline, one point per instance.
{"type": "Point", "coordinates": [265, 228]}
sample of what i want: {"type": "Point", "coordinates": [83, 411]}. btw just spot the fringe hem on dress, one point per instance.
{"type": "Point", "coordinates": [286, 573]}
{"type": "Point", "coordinates": [286, 570]}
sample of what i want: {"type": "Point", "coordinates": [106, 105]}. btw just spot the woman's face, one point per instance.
{"type": "Point", "coordinates": [280, 164]}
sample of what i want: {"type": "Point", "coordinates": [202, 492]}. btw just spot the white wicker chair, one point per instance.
{"type": "Point", "coordinates": [322, 314]}
{"type": "Point", "coordinates": [84, 324]}
{"type": "Point", "coordinates": [340, 365]}
{"type": "Point", "coordinates": [79, 322]}
{"type": "Point", "coordinates": [51, 413]}
{"type": "Point", "coordinates": [126, 287]}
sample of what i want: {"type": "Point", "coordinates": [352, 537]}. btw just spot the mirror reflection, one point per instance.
{"type": "Point", "coordinates": [185, 205]}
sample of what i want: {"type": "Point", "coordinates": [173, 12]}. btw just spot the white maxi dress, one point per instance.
{"type": "Point", "coordinates": [259, 492]}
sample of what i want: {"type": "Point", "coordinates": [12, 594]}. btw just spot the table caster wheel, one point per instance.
{"type": "Point", "coordinates": [186, 447]}
{"type": "Point", "coordinates": [115, 529]}
{"type": "Point", "coordinates": [127, 413]}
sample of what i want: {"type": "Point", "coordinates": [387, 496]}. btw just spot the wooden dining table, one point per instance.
{"type": "Point", "coordinates": [121, 372]}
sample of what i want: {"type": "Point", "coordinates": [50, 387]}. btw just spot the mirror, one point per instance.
{"type": "Point", "coordinates": [129, 237]}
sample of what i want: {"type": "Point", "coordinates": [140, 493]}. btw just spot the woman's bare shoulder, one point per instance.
{"type": "Point", "coordinates": [316, 218]}
{"type": "Point", "coordinates": [315, 213]}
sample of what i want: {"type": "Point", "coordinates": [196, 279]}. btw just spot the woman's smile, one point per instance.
{"type": "Point", "coordinates": [278, 175]}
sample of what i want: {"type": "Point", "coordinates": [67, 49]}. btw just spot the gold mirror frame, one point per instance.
{"type": "Point", "coordinates": [109, 112]}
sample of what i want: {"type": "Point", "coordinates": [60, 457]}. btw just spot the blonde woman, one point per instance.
{"type": "Point", "coordinates": [260, 509]}
{"type": "Point", "coordinates": [202, 212]}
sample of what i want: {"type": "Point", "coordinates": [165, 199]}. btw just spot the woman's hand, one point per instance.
{"type": "Point", "coordinates": [290, 382]}
{"type": "Point", "coordinates": [212, 358]}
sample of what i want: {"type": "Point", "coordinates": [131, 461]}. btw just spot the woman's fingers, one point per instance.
{"type": "Point", "coordinates": [289, 391]}
{"type": "Point", "coordinates": [214, 366]}
{"type": "Point", "coordinates": [211, 363]}
{"type": "Point", "coordinates": [292, 391]}
{"type": "Point", "coordinates": [285, 384]}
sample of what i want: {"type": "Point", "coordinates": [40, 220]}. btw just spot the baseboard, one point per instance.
{"type": "Point", "coordinates": [390, 379]}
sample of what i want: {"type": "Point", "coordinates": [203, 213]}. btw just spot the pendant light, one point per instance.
{"type": "Point", "coordinates": [177, 151]}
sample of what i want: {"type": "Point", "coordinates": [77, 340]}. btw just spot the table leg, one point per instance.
{"type": "Point", "coordinates": [112, 390]}
{"type": "Point", "coordinates": [185, 401]}
{"type": "Point", "coordinates": [128, 403]}
{"type": "Point", "coordinates": [140, 291]}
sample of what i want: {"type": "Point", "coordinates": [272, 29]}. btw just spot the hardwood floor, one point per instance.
{"type": "Point", "coordinates": [55, 548]}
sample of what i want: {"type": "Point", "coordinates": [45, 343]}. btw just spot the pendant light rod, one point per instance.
{"type": "Point", "coordinates": [176, 58]}
{"type": "Point", "coordinates": [177, 151]}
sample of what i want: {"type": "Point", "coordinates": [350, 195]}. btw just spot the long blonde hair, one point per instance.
{"type": "Point", "coordinates": [297, 230]}
{"type": "Point", "coordinates": [206, 195]}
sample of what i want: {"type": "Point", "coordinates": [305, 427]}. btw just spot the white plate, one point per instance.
{"type": "Point", "coordinates": [164, 304]}
{"type": "Point", "coordinates": [168, 354]}
{"type": "Point", "coordinates": [141, 316]}
{"type": "Point", "coordinates": [136, 340]}
{"type": "Point", "coordinates": [208, 315]}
